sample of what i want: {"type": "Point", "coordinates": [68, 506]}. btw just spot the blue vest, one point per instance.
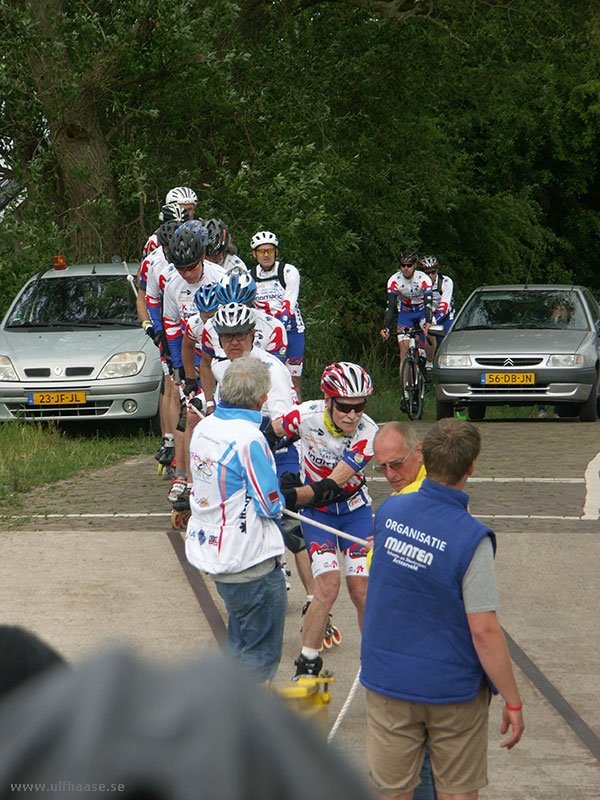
{"type": "Point", "coordinates": [416, 642]}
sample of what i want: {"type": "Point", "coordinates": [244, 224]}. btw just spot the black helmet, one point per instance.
{"type": "Point", "coordinates": [218, 237]}
{"type": "Point", "coordinates": [188, 243]}
{"type": "Point", "coordinates": [408, 259]}
{"type": "Point", "coordinates": [173, 212]}
{"type": "Point", "coordinates": [166, 231]}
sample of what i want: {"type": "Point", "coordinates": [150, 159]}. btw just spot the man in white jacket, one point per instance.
{"type": "Point", "coordinates": [233, 534]}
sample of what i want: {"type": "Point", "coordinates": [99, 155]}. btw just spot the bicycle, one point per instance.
{"type": "Point", "coordinates": [412, 376]}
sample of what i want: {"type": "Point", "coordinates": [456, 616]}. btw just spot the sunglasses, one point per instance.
{"type": "Point", "coordinates": [189, 268]}
{"type": "Point", "coordinates": [266, 252]}
{"type": "Point", "coordinates": [230, 337]}
{"type": "Point", "coordinates": [393, 465]}
{"type": "Point", "coordinates": [346, 408]}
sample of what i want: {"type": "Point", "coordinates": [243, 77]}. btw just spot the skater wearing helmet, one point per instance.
{"type": "Point", "coordinates": [182, 198]}
{"type": "Point", "coordinates": [220, 248]}
{"type": "Point", "coordinates": [277, 288]}
{"type": "Point", "coordinates": [336, 443]}
{"type": "Point", "coordinates": [238, 286]}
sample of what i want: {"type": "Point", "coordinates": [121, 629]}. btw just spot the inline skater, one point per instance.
{"type": "Point", "coordinates": [270, 335]}
{"type": "Point", "coordinates": [186, 254]}
{"type": "Point", "coordinates": [442, 302]}
{"type": "Point", "coordinates": [409, 302]}
{"type": "Point", "coordinates": [235, 325]}
{"type": "Point", "coordinates": [336, 443]}
{"type": "Point", "coordinates": [151, 277]}
{"type": "Point", "coordinates": [277, 289]}
{"type": "Point", "coordinates": [220, 248]}
{"type": "Point", "coordinates": [181, 196]}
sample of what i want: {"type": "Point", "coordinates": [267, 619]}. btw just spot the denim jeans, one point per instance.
{"type": "Point", "coordinates": [426, 789]}
{"type": "Point", "coordinates": [256, 620]}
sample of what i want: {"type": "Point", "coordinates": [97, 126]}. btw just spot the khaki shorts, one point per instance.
{"type": "Point", "coordinates": [397, 732]}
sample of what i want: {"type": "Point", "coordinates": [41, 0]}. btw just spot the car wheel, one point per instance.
{"type": "Point", "coordinates": [588, 411]}
{"type": "Point", "coordinates": [443, 410]}
{"type": "Point", "coordinates": [476, 412]}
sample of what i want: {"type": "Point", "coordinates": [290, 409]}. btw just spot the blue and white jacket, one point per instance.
{"type": "Point", "coordinates": [235, 498]}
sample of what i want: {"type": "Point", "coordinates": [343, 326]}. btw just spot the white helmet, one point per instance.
{"type": "Point", "coordinates": [181, 194]}
{"type": "Point", "coordinates": [234, 318]}
{"type": "Point", "coordinates": [263, 237]}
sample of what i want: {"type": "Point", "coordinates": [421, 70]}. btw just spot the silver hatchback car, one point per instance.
{"type": "Point", "coordinates": [72, 348]}
{"type": "Point", "coordinates": [521, 345]}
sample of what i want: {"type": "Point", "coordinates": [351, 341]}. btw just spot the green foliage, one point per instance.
{"type": "Point", "coordinates": [353, 137]}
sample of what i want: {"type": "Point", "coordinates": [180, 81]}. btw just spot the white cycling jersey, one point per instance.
{"type": "Point", "coordinates": [321, 448]}
{"type": "Point", "coordinates": [269, 335]}
{"type": "Point", "coordinates": [277, 299]}
{"type": "Point", "coordinates": [411, 292]}
{"type": "Point", "coordinates": [235, 497]}
{"type": "Point", "coordinates": [151, 244]}
{"type": "Point", "coordinates": [178, 299]}
{"type": "Point", "coordinates": [281, 397]}
{"type": "Point", "coordinates": [443, 301]}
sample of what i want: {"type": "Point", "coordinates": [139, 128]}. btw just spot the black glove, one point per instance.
{"type": "Point", "coordinates": [271, 437]}
{"type": "Point", "coordinates": [326, 490]}
{"type": "Point", "coordinates": [190, 385]}
{"type": "Point", "coordinates": [178, 375]}
{"type": "Point", "coordinates": [288, 483]}
{"type": "Point", "coordinates": [148, 329]}
{"type": "Point", "coordinates": [160, 340]}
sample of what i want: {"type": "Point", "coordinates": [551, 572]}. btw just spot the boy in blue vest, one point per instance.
{"type": "Point", "coordinates": [430, 668]}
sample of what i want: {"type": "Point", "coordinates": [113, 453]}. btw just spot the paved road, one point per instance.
{"type": "Point", "coordinates": [83, 581]}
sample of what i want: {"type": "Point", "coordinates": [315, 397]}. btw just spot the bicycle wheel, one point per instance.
{"type": "Point", "coordinates": [413, 388]}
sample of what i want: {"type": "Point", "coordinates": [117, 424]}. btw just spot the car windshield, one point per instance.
{"type": "Point", "coordinates": [77, 301]}
{"type": "Point", "coordinates": [536, 309]}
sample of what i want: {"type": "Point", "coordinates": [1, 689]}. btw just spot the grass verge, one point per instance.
{"type": "Point", "coordinates": [37, 454]}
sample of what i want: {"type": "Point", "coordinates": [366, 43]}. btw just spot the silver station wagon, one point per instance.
{"type": "Point", "coordinates": [72, 348]}
{"type": "Point", "coordinates": [521, 345]}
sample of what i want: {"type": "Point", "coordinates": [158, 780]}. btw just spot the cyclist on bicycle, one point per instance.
{"type": "Point", "coordinates": [277, 288]}
{"type": "Point", "coordinates": [336, 441]}
{"type": "Point", "coordinates": [409, 302]}
{"type": "Point", "coordinates": [442, 305]}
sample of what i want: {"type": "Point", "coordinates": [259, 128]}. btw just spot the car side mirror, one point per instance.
{"type": "Point", "coordinates": [437, 330]}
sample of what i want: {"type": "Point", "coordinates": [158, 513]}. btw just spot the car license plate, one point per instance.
{"type": "Point", "coordinates": [508, 378]}
{"type": "Point", "coordinates": [55, 398]}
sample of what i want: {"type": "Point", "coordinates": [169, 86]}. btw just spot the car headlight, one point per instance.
{"type": "Point", "coordinates": [450, 360]}
{"type": "Point", "coordinates": [123, 365]}
{"type": "Point", "coordinates": [7, 371]}
{"type": "Point", "coordinates": [565, 360]}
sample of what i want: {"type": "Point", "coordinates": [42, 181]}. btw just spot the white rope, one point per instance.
{"type": "Point", "coordinates": [344, 708]}
{"type": "Point", "coordinates": [327, 528]}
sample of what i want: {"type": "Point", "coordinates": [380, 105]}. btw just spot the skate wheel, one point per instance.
{"type": "Point", "coordinates": [179, 520]}
{"type": "Point", "coordinates": [336, 637]}
{"type": "Point", "coordinates": [327, 642]}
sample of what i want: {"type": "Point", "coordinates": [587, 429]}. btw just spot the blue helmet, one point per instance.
{"type": "Point", "coordinates": [238, 286]}
{"type": "Point", "coordinates": [206, 298]}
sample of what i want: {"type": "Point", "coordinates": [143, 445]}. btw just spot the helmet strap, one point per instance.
{"type": "Point", "coordinates": [330, 425]}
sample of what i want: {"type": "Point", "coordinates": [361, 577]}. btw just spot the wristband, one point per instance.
{"type": "Point", "coordinates": [146, 324]}
{"type": "Point", "coordinates": [210, 403]}
{"type": "Point", "coordinates": [514, 708]}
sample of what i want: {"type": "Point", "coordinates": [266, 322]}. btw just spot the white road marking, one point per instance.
{"type": "Point", "coordinates": [591, 507]}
